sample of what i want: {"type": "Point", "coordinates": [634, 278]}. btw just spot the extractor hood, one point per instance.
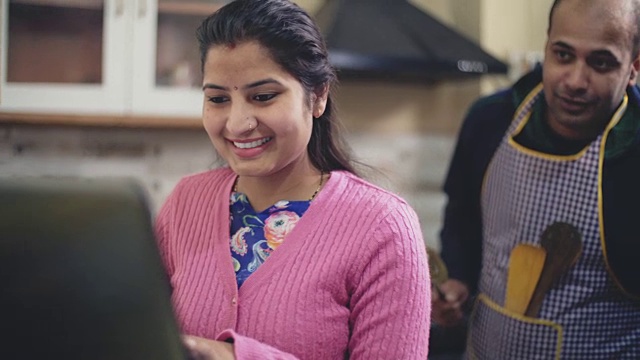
{"type": "Point", "coordinates": [394, 40]}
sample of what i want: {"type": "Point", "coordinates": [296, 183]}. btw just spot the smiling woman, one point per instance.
{"type": "Point", "coordinates": [286, 252]}
{"type": "Point", "coordinates": [263, 128]}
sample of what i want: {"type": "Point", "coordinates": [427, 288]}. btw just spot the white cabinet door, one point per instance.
{"type": "Point", "coordinates": [65, 56]}
{"type": "Point", "coordinates": [124, 58]}
{"type": "Point", "coordinates": [166, 76]}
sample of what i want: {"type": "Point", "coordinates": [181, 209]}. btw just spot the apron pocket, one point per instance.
{"type": "Point", "coordinates": [497, 333]}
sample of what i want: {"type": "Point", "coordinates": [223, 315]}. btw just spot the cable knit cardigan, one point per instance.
{"type": "Point", "coordinates": [350, 281]}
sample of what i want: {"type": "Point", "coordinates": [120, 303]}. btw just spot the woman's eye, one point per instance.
{"type": "Point", "coordinates": [264, 97]}
{"type": "Point", "coordinates": [217, 99]}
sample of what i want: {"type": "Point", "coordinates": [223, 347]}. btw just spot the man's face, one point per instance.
{"type": "Point", "coordinates": [588, 65]}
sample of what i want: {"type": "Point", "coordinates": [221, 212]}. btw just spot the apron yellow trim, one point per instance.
{"type": "Point", "coordinates": [603, 244]}
{"type": "Point", "coordinates": [535, 153]}
{"type": "Point", "coordinates": [532, 94]}
{"type": "Point", "coordinates": [536, 321]}
{"type": "Point", "coordinates": [545, 156]}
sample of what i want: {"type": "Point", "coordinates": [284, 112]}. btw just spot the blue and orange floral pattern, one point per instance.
{"type": "Point", "coordinates": [254, 236]}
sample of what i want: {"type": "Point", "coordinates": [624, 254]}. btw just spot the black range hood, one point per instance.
{"type": "Point", "coordinates": [394, 40]}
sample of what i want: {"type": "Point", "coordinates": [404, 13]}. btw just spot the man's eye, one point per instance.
{"type": "Point", "coordinates": [264, 97]}
{"type": "Point", "coordinates": [563, 55]}
{"type": "Point", "coordinates": [603, 64]}
{"type": "Point", "coordinates": [217, 99]}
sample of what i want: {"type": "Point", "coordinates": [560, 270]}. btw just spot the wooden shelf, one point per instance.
{"type": "Point", "coordinates": [174, 6]}
{"type": "Point", "coordinates": [101, 120]}
{"type": "Point", "coordinates": [188, 8]}
{"type": "Point", "coordinates": [78, 4]}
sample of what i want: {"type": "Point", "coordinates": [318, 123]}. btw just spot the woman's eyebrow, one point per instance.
{"type": "Point", "coordinates": [248, 86]}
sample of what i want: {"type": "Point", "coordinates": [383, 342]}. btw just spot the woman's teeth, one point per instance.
{"type": "Point", "coordinates": [252, 144]}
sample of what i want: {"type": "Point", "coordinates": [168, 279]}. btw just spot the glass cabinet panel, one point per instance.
{"type": "Point", "coordinates": [55, 41]}
{"type": "Point", "coordinates": [177, 55]}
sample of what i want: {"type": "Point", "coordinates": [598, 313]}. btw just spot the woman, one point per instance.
{"type": "Point", "coordinates": [287, 253]}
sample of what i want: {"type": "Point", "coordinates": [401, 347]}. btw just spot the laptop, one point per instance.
{"type": "Point", "coordinates": [80, 273]}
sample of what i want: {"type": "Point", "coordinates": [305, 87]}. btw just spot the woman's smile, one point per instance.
{"type": "Point", "coordinates": [250, 148]}
{"type": "Point", "coordinates": [251, 144]}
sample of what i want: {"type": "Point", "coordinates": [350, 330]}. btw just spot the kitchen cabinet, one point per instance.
{"type": "Point", "coordinates": [111, 62]}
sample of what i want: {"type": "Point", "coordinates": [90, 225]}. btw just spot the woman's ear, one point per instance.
{"type": "Point", "coordinates": [320, 100]}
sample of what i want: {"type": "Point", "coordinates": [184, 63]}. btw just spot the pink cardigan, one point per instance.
{"type": "Point", "coordinates": [350, 279]}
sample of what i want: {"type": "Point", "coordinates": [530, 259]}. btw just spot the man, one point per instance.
{"type": "Point", "coordinates": [562, 146]}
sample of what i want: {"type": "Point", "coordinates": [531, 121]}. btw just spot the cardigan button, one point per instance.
{"type": "Point", "coordinates": [234, 301]}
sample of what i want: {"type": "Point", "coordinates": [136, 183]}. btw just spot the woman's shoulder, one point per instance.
{"type": "Point", "coordinates": [199, 188]}
{"type": "Point", "coordinates": [363, 192]}
{"type": "Point", "coordinates": [206, 184]}
{"type": "Point", "coordinates": [206, 178]}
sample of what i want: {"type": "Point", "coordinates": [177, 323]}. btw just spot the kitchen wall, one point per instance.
{"type": "Point", "coordinates": [411, 164]}
{"type": "Point", "coordinates": [405, 131]}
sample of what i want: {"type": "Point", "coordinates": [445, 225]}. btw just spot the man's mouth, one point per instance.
{"type": "Point", "coordinates": [573, 104]}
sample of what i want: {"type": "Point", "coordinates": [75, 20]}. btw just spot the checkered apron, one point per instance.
{"type": "Point", "coordinates": [585, 315]}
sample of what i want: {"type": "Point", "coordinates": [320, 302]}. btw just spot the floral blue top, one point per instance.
{"type": "Point", "coordinates": [254, 236]}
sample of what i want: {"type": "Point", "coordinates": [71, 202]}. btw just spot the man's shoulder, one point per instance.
{"type": "Point", "coordinates": [488, 105]}
{"type": "Point", "coordinates": [489, 115]}
{"type": "Point", "coordinates": [503, 97]}
{"type": "Point", "coordinates": [493, 113]}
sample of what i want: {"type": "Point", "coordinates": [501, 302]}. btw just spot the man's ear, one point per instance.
{"type": "Point", "coordinates": [635, 67]}
{"type": "Point", "coordinates": [320, 100]}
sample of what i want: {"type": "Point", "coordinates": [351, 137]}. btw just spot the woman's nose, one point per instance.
{"type": "Point", "coordinates": [240, 120]}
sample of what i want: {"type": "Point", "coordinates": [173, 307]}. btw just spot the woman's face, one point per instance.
{"type": "Point", "coordinates": [257, 115]}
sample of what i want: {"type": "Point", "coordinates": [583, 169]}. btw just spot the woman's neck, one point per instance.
{"type": "Point", "coordinates": [264, 191]}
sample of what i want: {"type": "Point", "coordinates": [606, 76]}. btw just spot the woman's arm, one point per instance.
{"type": "Point", "coordinates": [391, 305]}
{"type": "Point", "coordinates": [231, 346]}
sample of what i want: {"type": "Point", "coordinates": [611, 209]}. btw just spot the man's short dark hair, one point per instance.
{"type": "Point", "coordinates": [636, 36]}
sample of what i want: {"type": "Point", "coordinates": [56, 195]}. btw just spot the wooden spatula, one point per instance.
{"type": "Point", "coordinates": [525, 267]}
{"type": "Point", "coordinates": [563, 245]}
{"type": "Point", "coordinates": [437, 270]}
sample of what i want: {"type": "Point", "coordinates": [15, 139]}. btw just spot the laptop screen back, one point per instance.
{"type": "Point", "coordinates": [80, 273]}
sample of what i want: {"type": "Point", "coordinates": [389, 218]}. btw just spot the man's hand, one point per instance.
{"type": "Point", "coordinates": [205, 349]}
{"type": "Point", "coordinates": [448, 311]}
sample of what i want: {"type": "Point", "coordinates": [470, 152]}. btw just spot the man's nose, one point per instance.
{"type": "Point", "coordinates": [577, 79]}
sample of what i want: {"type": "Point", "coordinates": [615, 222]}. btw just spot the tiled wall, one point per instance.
{"type": "Point", "coordinates": [158, 158]}
{"type": "Point", "coordinates": [411, 165]}
{"type": "Point", "coordinates": [414, 166]}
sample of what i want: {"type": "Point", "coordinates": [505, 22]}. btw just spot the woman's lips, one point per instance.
{"type": "Point", "coordinates": [250, 148]}
{"type": "Point", "coordinates": [249, 144]}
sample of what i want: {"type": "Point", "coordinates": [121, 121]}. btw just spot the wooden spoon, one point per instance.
{"type": "Point", "coordinates": [563, 245]}
{"type": "Point", "coordinates": [525, 266]}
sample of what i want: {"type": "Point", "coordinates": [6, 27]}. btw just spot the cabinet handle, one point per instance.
{"type": "Point", "coordinates": [119, 8]}
{"type": "Point", "coordinates": [142, 8]}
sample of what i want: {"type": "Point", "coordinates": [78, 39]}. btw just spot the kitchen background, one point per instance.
{"type": "Point", "coordinates": [51, 126]}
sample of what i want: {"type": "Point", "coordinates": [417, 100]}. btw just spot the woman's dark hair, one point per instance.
{"type": "Point", "coordinates": [295, 43]}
